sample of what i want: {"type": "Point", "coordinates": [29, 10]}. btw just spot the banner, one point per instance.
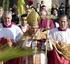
{"type": "Point", "coordinates": [21, 7]}
{"type": "Point", "coordinates": [6, 5]}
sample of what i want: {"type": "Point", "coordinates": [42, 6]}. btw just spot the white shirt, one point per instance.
{"type": "Point", "coordinates": [24, 28]}
{"type": "Point", "coordinates": [63, 36]}
{"type": "Point", "coordinates": [13, 32]}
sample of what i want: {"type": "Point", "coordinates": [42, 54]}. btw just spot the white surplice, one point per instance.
{"type": "Point", "coordinates": [63, 36]}
{"type": "Point", "coordinates": [13, 32]}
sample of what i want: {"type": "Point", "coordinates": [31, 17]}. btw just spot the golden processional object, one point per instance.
{"type": "Point", "coordinates": [33, 18]}
{"type": "Point", "coordinates": [63, 49]}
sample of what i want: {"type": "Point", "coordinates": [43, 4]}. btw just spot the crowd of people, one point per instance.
{"type": "Point", "coordinates": [42, 33]}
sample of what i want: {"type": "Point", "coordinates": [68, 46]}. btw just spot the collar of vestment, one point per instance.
{"type": "Point", "coordinates": [7, 26]}
{"type": "Point", "coordinates": [61, 29]}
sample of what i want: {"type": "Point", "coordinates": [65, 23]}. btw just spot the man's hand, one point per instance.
{"type": "Point", "coordinates": [9, 42]}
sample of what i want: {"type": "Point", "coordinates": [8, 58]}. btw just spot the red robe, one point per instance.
{"type": "Point", "coordinates": [55, 58]}
{"type": "Point", "coordinates": [44, 23]}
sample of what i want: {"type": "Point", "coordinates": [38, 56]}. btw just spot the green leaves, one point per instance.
{"type": "Point", "coordinates": [6, 5]}
{"type": "Point", "coordinates": [8, 53]}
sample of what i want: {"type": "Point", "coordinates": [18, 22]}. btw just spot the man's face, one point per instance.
{"type": "Point", "coordinates": [7, 19]}
{"type": "Point", "coordinates": [55, 12]}
{"type": "Point", "coordinates": [24, 20]}
{"type": "Point", "coordinates": [43, 14]}
{"type": "Point", "coordinates": [63, 22]}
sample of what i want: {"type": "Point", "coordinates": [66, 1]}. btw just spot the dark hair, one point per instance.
{"type": "Point", "coordinates": [43, 6]}
{"type": "Point", "coordinates": [24, 15]}
{"type": "Point", "coordinates": [52, 10]}
{"type": "Point", "coordinates": [42, 1]}
{"type": "Point", "coordinates": [15, 18]}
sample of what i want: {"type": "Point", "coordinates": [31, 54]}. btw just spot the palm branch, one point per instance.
{"type": "Point", "coordinates": [8, 53]}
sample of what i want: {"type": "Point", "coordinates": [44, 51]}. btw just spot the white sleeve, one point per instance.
{"type": "Point", "coordinates": [1, 25]}
{"type": "Point", "coordinates": [52, 35]}
{"type": "Point", "coordinates": [57, 24]}
{"type": "Point", "coordinates": [28, 43]}
{"type": "Point", "coordinates": [19, 33]}
{"type": "Point", "coordinates": [1, 33]}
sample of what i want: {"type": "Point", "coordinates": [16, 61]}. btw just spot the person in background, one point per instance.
{"type": "Point", "coordinates": [1, 13]}
{"type": "Point", "coordinates": [15, 16]}
{"type": "Point", "coordinates": [54, 16]}
{"type": "Point", "coordinates": [24, 25]}
{"type": "Point", "coordinates": [41, 4]}
{"type": "Point", "coordinates": [60, 35]}
{"type": "Point", "coordinates": [43, 7]}
{"type": "Point", "coordinates": [38, 7]}
{"type": "Point", "coordinates": [11, 32]}
{"type": "Point", "coordinates": [45, 23]}
{"type": "Point", "coordinates": [54, 12]}
{"type": "Point", "coordinates": [61, 9]}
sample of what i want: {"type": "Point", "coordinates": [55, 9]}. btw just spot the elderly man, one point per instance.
{"type": "Point", "coordinates": [62, 36]}
{"type": "Point", "coordinates": [9, 32]}
{"type": "Point", "coordinates": [9, 29]}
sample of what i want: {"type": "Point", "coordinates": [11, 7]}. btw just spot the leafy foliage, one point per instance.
{"type": "Point", "coordinates": [7, 53]}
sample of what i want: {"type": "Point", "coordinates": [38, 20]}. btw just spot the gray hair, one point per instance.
{"type": "Point", "coordinates": [7, 13]}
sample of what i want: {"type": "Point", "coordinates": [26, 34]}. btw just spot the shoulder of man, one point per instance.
{"type": "Point", "coordinates": [1, 25]}
{"type": "Point", "coordinates": [54, 29]}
